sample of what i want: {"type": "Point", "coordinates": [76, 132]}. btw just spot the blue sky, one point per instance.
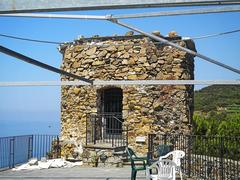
{"type": "Point", "coordinates": [25, 110]}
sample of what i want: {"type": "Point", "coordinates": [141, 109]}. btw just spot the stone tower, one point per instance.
{"type": "Point", "coordinates": [143, 108]}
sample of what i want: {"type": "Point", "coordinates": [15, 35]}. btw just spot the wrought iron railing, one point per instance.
{"type": "Point", "coordinates": [207, 157]}
{"type": "Point", "coordinates": [106, 129]}
{"type": "Point", "coordinates": [19, 149]}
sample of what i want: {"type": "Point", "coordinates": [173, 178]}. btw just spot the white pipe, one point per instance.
{"type": "Point", "coordinates": [122, 82]}
{"type": "Point", "coordinates": [60, 16]}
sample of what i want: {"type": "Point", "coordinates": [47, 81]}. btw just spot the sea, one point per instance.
{"type": "Point", "coordinates": [16, 129]}
{"type": "Point", "coordinates": [17, 124]}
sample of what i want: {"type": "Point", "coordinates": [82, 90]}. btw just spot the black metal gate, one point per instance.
{"type": "Point", "coordinates": [111, 103]}
{"type": "Point", "coordinates": [106, 126]}
{"type": "Point", "coordinates": [98, 132]}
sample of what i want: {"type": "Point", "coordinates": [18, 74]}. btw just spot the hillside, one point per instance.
{"type": "Point", "coordinates": [218, 97]}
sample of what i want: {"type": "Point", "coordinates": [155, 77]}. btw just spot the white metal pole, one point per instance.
{"type": "Point", "coordinates": [60, 16]}
{"type": "Point", "coordinates": [127, 16]}
{"type": "Point", "coordinates": [122, 82]}
{"type": "Point", "coordinates": [179, 12]}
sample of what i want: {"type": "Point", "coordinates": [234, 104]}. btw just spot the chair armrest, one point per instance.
{"type": "Point", "coordinates": [165, 156]}
{"type": "Point", "coordinates": [137, 159]}
{"type": "Point", "coordinates": [141, 158]}
{"type": "Point", "coordinates": [153, 165]}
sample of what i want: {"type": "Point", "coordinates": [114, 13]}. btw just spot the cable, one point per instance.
{"type": "Point", "coordinates": [54, 42]}
{"type": "Point", "coordinates": [217, 34]}
{"type": "Point", "coordinates": [32, 40]}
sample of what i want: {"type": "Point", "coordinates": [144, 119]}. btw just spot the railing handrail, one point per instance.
{"type": "Point", "coordinates": [112, 114]}
{"type": "Point", "coordinates": [193, 135]}
{"type": "Point", "coordinates": [16, 136]}
{"type": "Point", "coordinates": [18, 149]}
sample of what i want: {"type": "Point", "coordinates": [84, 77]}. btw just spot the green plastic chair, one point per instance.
{"type": "Point", "coordinates": [137, 163]}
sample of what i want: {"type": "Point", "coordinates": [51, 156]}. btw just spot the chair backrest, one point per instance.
{"type": "Point", "coordinates": [176, 156]}
{"type": "Point", "coordinates": [134, 158]}
{"type": "Point", "coordinates": [130, 153]}
{"type": "Point", "coordinates": [166, 169]}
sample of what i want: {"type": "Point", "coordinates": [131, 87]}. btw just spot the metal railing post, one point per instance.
{"type": "Point", "coordinates": [112, 140]}
{"type": "Point", "coordinates": [58, 148]}
{"type": "Point", "coordinates": [88, 119]}
{"type": "Point", "coordinates": [150, 146]}
{"type": "Point", "coordinates": [165, 139]}
{"type": "Point", "coordinates": [11, 152]}
{"type": "Point", "coordinates": [30, 147]}
{"type": "Point", "coordinates": [221, 157]}
{"type": "Point", "coordinates": [95, 131]}
{"type": "Point", "coordinates": [189, 155]}
{"type": "Point", "coordinates": [127, 136]}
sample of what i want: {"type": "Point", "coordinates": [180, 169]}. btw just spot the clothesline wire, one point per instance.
{"type": "Point", "coordinates": [58, 43]}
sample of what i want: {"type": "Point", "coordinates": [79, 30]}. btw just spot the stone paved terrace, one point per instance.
{"type": "Point", "coordinates": [72, 173]}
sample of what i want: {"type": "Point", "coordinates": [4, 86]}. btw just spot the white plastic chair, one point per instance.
{"type": "Point", "coordinates": [177, 155]}
{"type": "Point", "coordinates": [165, 170]}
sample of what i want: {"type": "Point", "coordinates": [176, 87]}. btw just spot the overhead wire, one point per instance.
{"type": "Point", "coordinates": [216, 34]}
{"type": "Point", "coordinates": [28, 39]}
{"type": "Point", "coordinates": [58, 42]}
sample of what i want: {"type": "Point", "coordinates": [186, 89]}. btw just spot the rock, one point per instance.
{"type": "Point", "coordinates": [161, 62]}
{"type": "Point", "coordinates": [178, 70]}
{"type": "Point", "coordinates": [137, 69]}
{"type": "Point", "coordinates": [142, 76]}
{"type": "Point", "coordinates": [153, 58]}
{"type": "Point", "coordinates": [76, 65]}
{"type": "Point", "coordinates": [160, 75]}
{"type": "Point", "coordinates": [131, 61]}
{"type": "Point", "coordinates": [157, 105]}
{"type": "Point", "coordinates": [91, 51]}
{"type": "Point", "coordinates": [76, 90]}
{"type": "Point", "coordinates": [185, 75]}
{"type": "Point", "coordinates": [87, 61]}
{"type": "Point", "coordinates": [177, 61]}
{"type": "Point", "coordinates": [129, 33]}
{"type": "Point", "coordinates": [172, 34]}
{"type": "Point", "coordinates": [132, 77]}
{"type": "Point", "coordinates": [79, 56]}
{"type": "Point", "coordinates": [33, 161]}
{"type": "Point", "coordinates": [67, 55]}
{"type": "Point", "coordinates": [156, 33]}
{"type": "Point", "coordinates": [97, 63]}
{"type": "Point", "coordinates": [142, 59]}
{"type": "Point", "coordinates": [126, 55]}
{"type": "Point", "coordinates": [125, 61]}
{"type": "Point", "coordinates": [111, 48]}
{"type": "Point", "coordinates": [120, 48]}
{"type": "Point", "coordinates": [143, 51]}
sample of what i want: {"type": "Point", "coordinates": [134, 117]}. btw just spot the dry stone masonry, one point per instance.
{"type": "Point", "coordinates": [145, 108]}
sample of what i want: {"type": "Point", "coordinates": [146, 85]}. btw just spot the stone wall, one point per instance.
{"type": "Point", "coordinates": [146, 109]}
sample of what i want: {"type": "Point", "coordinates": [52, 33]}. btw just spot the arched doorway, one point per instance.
{"type": "Point", "coordinates": [111, 109]}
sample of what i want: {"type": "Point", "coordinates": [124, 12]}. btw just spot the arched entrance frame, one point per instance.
{"type": "Point", "coordinates": [109, 107]}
